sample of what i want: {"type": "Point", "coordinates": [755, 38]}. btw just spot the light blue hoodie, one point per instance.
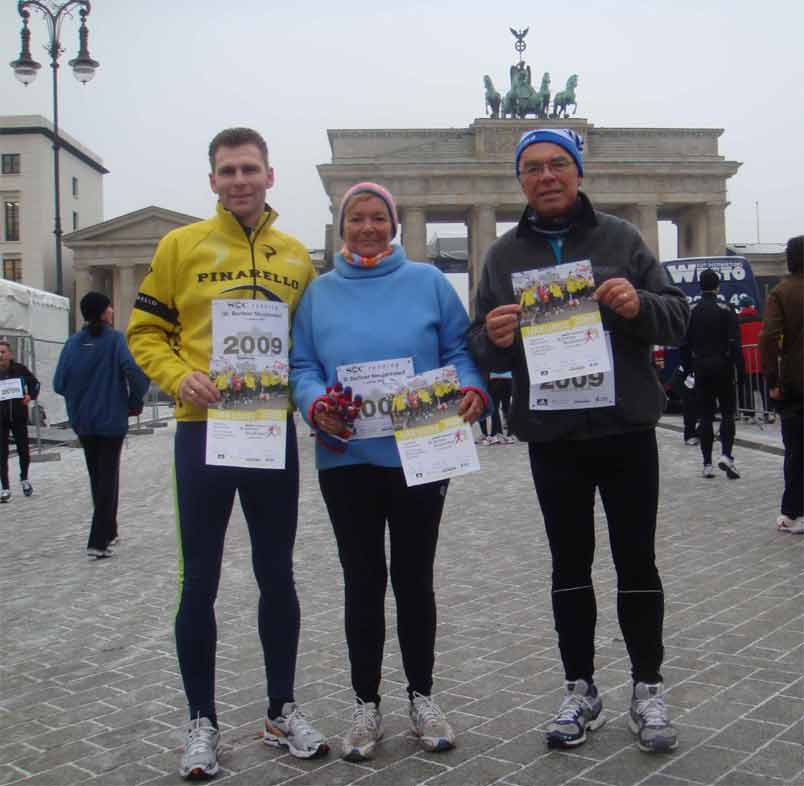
{"type": "Point", "coordinates": [360, 314]}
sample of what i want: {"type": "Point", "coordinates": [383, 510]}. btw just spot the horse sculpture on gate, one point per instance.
{"type": "Point", "coordinates": [566, 97]}
{"type": "Point", "coordinates": [492, 98]}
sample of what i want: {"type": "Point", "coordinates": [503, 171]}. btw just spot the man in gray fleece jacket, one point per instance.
{"type": "Point", "coordinates": [610, 447]}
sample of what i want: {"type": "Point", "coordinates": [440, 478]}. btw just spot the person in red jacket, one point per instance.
{"type": "Point", "coordinates": [750, 384]}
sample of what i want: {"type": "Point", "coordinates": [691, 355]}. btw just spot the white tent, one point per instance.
{"type": "Point", "coordinates": [40, 321]}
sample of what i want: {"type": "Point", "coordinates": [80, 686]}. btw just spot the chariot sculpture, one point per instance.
{"type": "Point", "coordinates": [522, 99]}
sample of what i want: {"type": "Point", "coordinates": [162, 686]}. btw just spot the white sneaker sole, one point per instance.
{"type": "Point", "coordinates": [592, 725]}
{"type": "Point", "coordinates": [360, 753]}
{"type": "Point", "coordinates": [275, 741]}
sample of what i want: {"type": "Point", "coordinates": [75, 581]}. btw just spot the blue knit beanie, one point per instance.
{"type": "Point", "coordinates": [563, 137]}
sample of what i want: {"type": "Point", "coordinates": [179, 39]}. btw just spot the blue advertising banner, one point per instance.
{"type": "Point", "coordinates": [736, 277]}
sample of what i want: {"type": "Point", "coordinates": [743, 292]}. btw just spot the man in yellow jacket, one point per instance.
{"type": "Point", "coordinates": [235, 254]}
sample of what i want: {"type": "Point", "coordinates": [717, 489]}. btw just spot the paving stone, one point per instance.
{"type": "Point", "coordinates": [704, 764]}
{"type": "Point", "coordinates": [746, 735]}
{"type": "Point", "coordinates": [779, 759]}
{"type": "Point", "coordinates": [779, 709]}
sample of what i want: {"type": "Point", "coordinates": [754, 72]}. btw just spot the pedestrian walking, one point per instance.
{"type": "Point", "coordinates": [23, 387]}
{"type": "Point", "coordinates": [712, 352]}
{"type": "Point", "coordinates": [102, 386]}
{"type": "Point", "coordinates": [781, 348]}
{"type": "Point", "coordinates": [236, 254]}
{"type": "Point", "coordinates": [609, 447]}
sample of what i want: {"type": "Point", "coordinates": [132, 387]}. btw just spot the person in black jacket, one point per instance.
{"type": "Point", "coordinates": [713, 353]}
{"type": "Point", "coordinates": [608, 445]}
{"type": "Point", "coordinates": [14, 420]}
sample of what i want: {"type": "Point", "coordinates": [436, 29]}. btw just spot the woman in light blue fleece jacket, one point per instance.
{"type": "Point", "coordinates": [378, 305]}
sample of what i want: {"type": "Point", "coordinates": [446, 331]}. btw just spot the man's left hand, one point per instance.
{"type": "Point", "coordinates": [471, 406]}
{"type": "Point", "coordinates": [620, 296]}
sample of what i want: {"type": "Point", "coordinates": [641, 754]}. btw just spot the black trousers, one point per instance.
{"type": "Point", "coordinates": [715, 393]}
{"type": "Point", "coordinates": [625, 469]}
{"type": "Point", "coordinates": [793, 436]}
{"type": "Point", "coordinates": [102, 455]}
{"type": "Point", "coordinates": [360, 499]}
{"type": "Point", "coordinates": [19, 428]}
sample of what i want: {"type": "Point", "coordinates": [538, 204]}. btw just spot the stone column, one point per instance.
{"type": "Point", "coordinates": [335, 240]}
{"type": "Point", "coordinates": [649, 226]}
{"type": "Point", "coordinates": [716, 218]}
{"type": "Point", "coordinates": [414, 232]}
{"type": "Point", "coordinates": [125, 291]}
{"type": "Point", "coordinates": [482, 225]}
{"type": "Point", "coordinates": [692, 232]}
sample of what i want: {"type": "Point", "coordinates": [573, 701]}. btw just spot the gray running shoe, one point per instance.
{"type": "Point", "coordinates": [5, 495]}
{"type": "Point", "coordinates": [580, 709]}
{"type": "Point", "coordinates": [726, 463]}
{"type": "Point", "coordinates": [200, 758]}
{"type": "Point", "coordinates": [430, 724]}
{"type": "Point", "coordinates": [27, 488]}
{"type": "Point", "coordinates": [366, 730]}
{"type": "Point", "coordinates": [293, 731]}
{"type": "Point", "coordinates": [648, 719]}
{"type": "Point", "coordinates": [708, 471]}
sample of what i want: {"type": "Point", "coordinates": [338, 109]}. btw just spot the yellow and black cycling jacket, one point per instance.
{"type": "Point", "coordinates": [170, 331]}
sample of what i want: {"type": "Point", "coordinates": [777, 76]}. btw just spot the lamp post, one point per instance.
{"type": "Point", "coordinates": [26, 68]}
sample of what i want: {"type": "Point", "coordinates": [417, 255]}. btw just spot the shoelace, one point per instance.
{"type": "Point", "coordinates": [364, 718]}
{"type": "Point", "coordinates": [572, 706]}
{"type": "Point", "coordinates": [200, 738]}
{"type": "Point", "coordinates": [427, 710]}
{"type": "Point", "coordinates": [298, 724]}
{"type": "Point", "coordinates": [653, 711]}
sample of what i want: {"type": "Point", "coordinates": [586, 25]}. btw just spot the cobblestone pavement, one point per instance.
{"type": "Point", "coordinates": [90, 688]}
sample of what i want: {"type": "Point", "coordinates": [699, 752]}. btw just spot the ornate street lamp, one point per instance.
{"type": "Point", "coordinates": [26, 68]}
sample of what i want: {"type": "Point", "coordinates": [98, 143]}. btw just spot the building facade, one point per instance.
{"type": "Point", "coordinates": [466, 175]}
{"type": "Point", "coordinates": [27, 217]}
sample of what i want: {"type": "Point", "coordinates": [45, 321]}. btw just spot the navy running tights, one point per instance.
{"type": "Point", "coordinates": [625, 469]}
{"type": "Point", "coordinates": [204, 497]}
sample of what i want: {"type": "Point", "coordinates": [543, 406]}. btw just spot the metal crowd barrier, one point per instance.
{"type": "Point", "coordinates": [753, 402]}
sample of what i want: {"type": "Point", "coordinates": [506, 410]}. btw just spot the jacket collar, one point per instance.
{"type": "Point", "coordinates": [388, 265]}
{"type": "Point", "coordinates": [233, 227]}
{"type": "Point", "coordinates": [586, 217]}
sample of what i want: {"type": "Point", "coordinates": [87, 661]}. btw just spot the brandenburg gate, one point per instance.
{"type": "Point", "coordinates": [466, 175]}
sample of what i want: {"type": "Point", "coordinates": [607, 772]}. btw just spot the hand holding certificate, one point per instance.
{"type": "Point", "coordinates": [434, 441]}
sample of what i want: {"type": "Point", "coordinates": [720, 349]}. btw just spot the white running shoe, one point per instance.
{"type": "Point", "coordinates": [430, 724]}
{"type": "Point", "coordinates": [5, 495]}
{"type": "Point", "coordinates": [708, 471]}
{"type": "Point", "coordinates": [793, 526]}
{"type": "Point", "coordinates": [27, 488]}
{"type": "Point", "coordinates": [364, 733]}
{"type": "Point", "coordinates": [726, 463]}
{"type": "Point", "coordinates": [200, 758]}
{"type": "Point", "coordinates": [293, 731]}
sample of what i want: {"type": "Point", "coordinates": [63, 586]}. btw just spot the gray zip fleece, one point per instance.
{"type": "Point", "coordinates": [616, 249]}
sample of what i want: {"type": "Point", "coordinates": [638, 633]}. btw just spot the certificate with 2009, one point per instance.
{"type": "Point", "coordinates": [375, 382]}
{"type": "Point", "coordinates": [561, 326]}
{"type": "Point", "coordinates": [249, 367]}
{"type": "Point", "coordinates": [434, 443]}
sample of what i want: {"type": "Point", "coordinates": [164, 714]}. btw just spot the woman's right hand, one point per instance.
{"type": "Point", "coordinates": [330, 422]}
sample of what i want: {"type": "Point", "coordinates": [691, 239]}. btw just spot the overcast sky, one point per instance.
{"type": "Point", "coordinates": [174, 73]}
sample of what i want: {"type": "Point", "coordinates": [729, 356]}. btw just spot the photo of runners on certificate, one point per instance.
{"type": "Point", "coordinates": [249, 367]}
{"type": "Point", "coordinates": [434, 442]}
{"type": "Point", "coordinates": [561, 326]}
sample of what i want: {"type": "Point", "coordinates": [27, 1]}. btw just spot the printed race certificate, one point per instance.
{"type": "Point", "coordinates": [249, 366]}
{"type": "Point", "coordinates": [561, 326]}
{"type": "Point", "coordinates": [375, 382]}
{"type": "Point", "coordinates": [433, 441]}
{"type": "Point", "coordinates": [589, 391]}
{"type": "Point", "coordinates": [10, 388]}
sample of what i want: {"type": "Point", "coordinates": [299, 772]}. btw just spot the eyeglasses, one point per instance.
{"type": "Point", "coordinates": [556, 165]}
